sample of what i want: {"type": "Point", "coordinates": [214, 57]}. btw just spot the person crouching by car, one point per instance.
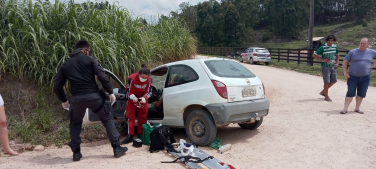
{"type": "Point", "coordinates": [138, 93]}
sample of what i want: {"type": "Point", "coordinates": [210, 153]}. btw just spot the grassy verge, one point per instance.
{"type": "Point", "coordinates": [48, 124]}
{"type": "Point", "coordinates": [42, 126]}
{"type": "Point", "coordinates": [35, 116]}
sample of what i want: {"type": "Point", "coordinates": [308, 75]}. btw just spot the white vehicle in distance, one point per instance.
{"type": "Point", "coordinates": [254, 55]}
{"type": "Point", "coordinates": [200, 95]}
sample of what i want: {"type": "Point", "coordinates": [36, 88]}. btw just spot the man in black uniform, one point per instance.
{"type": "Point", "coordinates": [80, 71]}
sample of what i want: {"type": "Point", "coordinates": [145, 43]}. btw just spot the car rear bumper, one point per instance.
{"type": "Point", "coordinates": [236, 112]}
{"type": "Point", "coordinates": [261, 59]}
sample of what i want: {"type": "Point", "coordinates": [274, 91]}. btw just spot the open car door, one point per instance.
{"type": "Point", "coordinates": [118, 109]}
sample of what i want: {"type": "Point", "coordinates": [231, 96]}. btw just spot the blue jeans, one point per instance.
{"type": "Point", "coordinates": [358, 85]}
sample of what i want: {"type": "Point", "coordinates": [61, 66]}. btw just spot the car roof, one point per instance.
{"type": "Point", "coordinates": [188, 62]}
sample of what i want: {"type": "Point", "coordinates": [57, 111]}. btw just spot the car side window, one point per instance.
{"type": "Point", "coordinates": [180, 74]}
{"type": "Point", "coordinates": [116, 86]}
{"type": "Point", "coordinates": [250, 50]}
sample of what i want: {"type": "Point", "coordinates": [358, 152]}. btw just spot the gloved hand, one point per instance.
{"type": "Point", "coordinates": [142, 100]}
{"type": "Point", "coordinates": [66, 105]}
{"type": "Point", "coordinates": [133, 98]}
{"type": "Point", "coordinates": [112, 99]}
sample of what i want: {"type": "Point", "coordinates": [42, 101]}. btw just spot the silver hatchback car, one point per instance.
{"type": "Point", "coordinates": [255, 54]}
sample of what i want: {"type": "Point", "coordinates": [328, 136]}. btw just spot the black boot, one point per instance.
{"type": "Point", "coordinates": [119, 151]}
{"type": "Point", "coordinates": [77, 154]}
{"type": "Point", "coordinates": [127, 139]}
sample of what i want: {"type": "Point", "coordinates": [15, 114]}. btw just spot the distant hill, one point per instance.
{"type": "Point", "coordinates": [348, 35]}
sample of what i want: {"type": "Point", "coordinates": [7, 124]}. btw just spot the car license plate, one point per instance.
{"type": "Point", "coordinates": [249, 92]}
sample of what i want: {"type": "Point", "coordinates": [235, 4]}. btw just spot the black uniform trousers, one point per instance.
{"type": "Point", "coordinates": [93, 101]}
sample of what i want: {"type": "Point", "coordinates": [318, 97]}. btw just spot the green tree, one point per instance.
{"type": "Point", "coordinates": [232, 28]}
{"type": "Point", "coordinates": [189, 15]}
{"type": "Point", "coordinates": [286, 17]}
{"type": "Point", "coordinates": [359, 10]}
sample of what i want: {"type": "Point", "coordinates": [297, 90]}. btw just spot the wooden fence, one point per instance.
{"type": "Point", "coordinates": [220, 51]}
{"type": "Point", "coordinates": [299, 55]}
{"type": "Point", "coordinates": [290, 55]}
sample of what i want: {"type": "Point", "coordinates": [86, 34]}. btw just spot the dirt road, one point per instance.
{"type": "Point", "coordinates": [301, 131]}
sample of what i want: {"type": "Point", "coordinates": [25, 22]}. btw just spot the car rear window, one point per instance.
{"type": "Point", "coordinates": [262, 51]}
{"type": "Point", "coordinates": [226, 68]}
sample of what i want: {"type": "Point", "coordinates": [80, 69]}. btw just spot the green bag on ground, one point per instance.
{"type": "Point", "coordinates": [216, 144]}
{"type": "Point", "coordinates": [147, 129]}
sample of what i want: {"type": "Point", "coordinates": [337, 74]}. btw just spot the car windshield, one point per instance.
{"type": "Point", "coordinates": [262, 51]}
{"type": "Point", "coordinates": [226, 68]}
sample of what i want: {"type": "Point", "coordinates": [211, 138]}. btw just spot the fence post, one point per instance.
{"type": "Point", "coordinates": [288, 55]}
{"type": "Point", "coordinates": [279, 55]}
{"type": "Point", "coordinates": [309, 57]}
{"type": "Point", "coordinates": [299, 57]}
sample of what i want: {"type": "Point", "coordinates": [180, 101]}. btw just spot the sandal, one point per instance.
{"type": "Point", "coordinates": [343, 112]}
{"type": "Point", "coordinates": [328, 99]}
{"type": "Point", "coordinates": [359, 111]}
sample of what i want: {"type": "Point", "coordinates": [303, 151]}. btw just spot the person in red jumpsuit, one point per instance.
{"type": "Point", "coordinates": [138, 94]}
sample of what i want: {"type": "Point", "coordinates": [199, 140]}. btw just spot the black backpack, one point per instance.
{"type": "Point", "coordinates": [158, 139]}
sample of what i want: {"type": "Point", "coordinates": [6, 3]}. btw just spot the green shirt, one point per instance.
{"type": "Point", "coordinates": [328, 52]}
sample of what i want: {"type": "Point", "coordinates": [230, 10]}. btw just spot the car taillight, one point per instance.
{"type": "Point", "coordinates": [270, 55]}
{"type": "Point", "coordinates": [255, 54]}
{"type": "Point", "coordinates": [221, 88]}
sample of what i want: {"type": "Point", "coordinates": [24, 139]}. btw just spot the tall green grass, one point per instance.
{"type": "Point", "coordinates": [36, 38]}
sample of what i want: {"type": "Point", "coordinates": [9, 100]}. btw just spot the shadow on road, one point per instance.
{"type": "Point", "coordinates": [334, 112]}
{"type": "Point", "coordinates": [58, 160]}
{"type": "Point", "coordinates": [229, 135]}
{"type": "Point", "coordinates": [312, 100]}
{"type": "Point", "coordinates": [51, 160]}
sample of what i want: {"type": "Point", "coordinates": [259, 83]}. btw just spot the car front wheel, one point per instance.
{"type": "Point", "coordinates": [240, 59]}
{"type": "Point", "coordinates": [200, 127]}
{"type": "Point", "coordinates": [251, 126]}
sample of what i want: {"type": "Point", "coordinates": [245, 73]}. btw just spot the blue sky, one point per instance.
{"type": "Point", "coordinates": [149, 8]}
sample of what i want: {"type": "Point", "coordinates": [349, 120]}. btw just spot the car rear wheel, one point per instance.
{"type": "Point", "coordinates": [251, 126]}
{"type": "Point", "coordinates": [240, 59]}
{"type": "Point", "coordinates": [200, 127]}
{"type": "Point", "coordinates": [251, 61]}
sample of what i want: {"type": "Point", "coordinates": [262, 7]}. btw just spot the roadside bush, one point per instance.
{"type": "Point", "coordinates": [364, 23]}
{"type": "Point", "coordinates": [266, 36]}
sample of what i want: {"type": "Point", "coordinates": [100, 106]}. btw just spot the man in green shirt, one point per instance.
{"type": "Point", "coordinates": [329, 63]}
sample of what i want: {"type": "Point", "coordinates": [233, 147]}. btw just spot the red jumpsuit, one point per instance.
{"type": "Point", "coordinates": [139, 89]}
